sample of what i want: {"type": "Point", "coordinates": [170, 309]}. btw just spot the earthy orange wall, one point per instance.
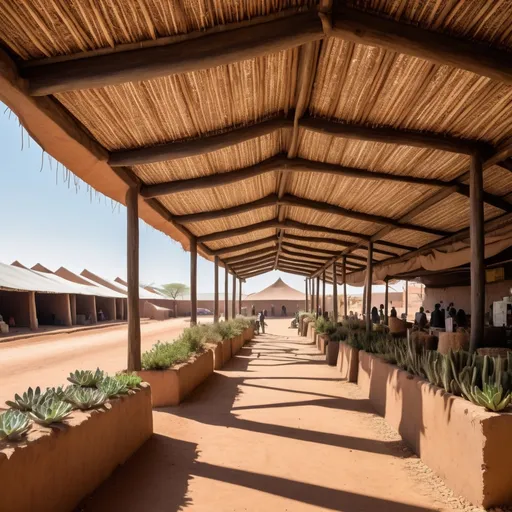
{"type": "Point", "coordinates": [48, 304]}
{"type": "Point", "coordinates": [57, 468]}
{"type": "Point", "coordinates": [15, 304]}
{"type": "Point", "coordinates": [461, 295]}
{"type": "Point", "coordinates": [107, 305]}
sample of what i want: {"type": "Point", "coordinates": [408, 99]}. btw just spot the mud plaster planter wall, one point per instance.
{"type": "Point", "coordinates": [364, 370]}
{"type": "Point", "coordinates": [248, 334]}
{"type": "Point", "coordinates": [321, 342]}
{"type": "Point", "coordinates": [348, 362]}
{"type": "Point", "coordinates": [171, 386]}
{"type": "Point", "coordinates": [311, 332]}
{"type": "Point", "coordinates": [236, 344]}
{"type": "Point", "coordinates": [218, 358]}
{"type": "Point", "coordinates": [56, 468]}
{"type": "Point", "coordinates": [468, 447]}
{"type": "Point", "coordinates": [226, 351]}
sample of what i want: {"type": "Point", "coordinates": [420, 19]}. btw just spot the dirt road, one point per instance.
{"type": "Point", "coordinates": [48, 360]}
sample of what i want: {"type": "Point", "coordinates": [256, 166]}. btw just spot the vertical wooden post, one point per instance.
{"type": "Point", "coordinates": [369, 279]}
{"type": "Point", "coordinates": [323, 293]}
{"type": "Point", "coordinates": [240, 296]}
{"type": "Point", "coordinates": [226, 294]}
{"type": "Point", "coordinates": [132, 209]}
{"type": "Point", "coordinates": [193, 281]}
{"type": "Point", "coordinates": [344, 277]}
{"type": "Point", "coordinates": [306, 282]}
{"type": "Point", "coordinates": [216, 291]}
{"type": "Point", "coordinates": [72, 305]}
{"type": "Point", "coordinates": [477, 236]}
{"type": "Point", "coordinates": [317, 302]}
{"type": "Point", "coordinates": [386, 303]}
{"type": "Point", "coordinates": [363, 306]}
{"type": "Point", "coordinates": [233, 299]}
{"type": "Point", "coordinates": [32, 311]}
{"type": "Point", "coordinates": [312, 295]}
{"type": "Point", "coordinates": [334, 292]}
{"type": "Point", "coordinates": [406, 298]}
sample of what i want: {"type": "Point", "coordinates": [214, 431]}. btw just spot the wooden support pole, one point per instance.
{"type": "Point", "coordinates": [334, 292]}
{"type": "Point", "coordinates": [240, 297]}
{"type": "Point", "coordinates": [233, 299]}
{"type": "Point", "coordinates": [134, 348]}
{"type": "Point", "coordinates": [306, 283]}
{"type": "Point", "coordinates": [386, 303]}
{"type": "Point", "coordinates": [363, 306]}
{"type": "Point", "coordinates": [344, 278]}
{"type": "Point", "coordinates": [312, 310]}
{"type": "Point", "coordinates": [72, 303]}
{"type": "Point", "coordinates": [323, 293]}
{"type": "Point", "coordinates": [32, 311]}
{"type": "Point", "coordinates": [317, 295]}
{"type": "Point", "coordinates": [369, 280]}
{"type": "Point", "coordinates": [226, 293]}
{"type": "Point", "coordinates": [193, 281]}
{"type": "Point", "coordinates": [216, 291]}
{"type": "Point", "coordinates": [406, 298]}
{"type": "Point", "coordinates": [477, 251]}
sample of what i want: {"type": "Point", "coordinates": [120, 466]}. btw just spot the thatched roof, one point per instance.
{"type": "Point", "coordinates": [298, 130]}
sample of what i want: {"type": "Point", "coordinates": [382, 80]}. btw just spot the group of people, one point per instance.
{"type": "Point", "coordinates": [439, 317]}
{"type": "Point", "coordinates": [272, 310]}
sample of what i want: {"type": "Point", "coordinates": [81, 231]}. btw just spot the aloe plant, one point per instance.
{"type": "Point", "coordinates": [13, 425]}
{"type": "Point", "coordinates": [56, 392]}
{"type": "Point", "coordinates": [52, 410]}
{"type": "Point", "coordinates": [112, 387]}
{"type": "Point", "coordinates": [86, 398]}
{"type": "Point", "coordinates": [86, 378]}
{"type": "Point", "coordinates": [26, 401]}
{"type": "Point", "coordinates": [492, 397]}
{"type": "Point", "coordinates": [130, 380]}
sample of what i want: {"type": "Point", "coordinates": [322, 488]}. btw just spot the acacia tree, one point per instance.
{"type": "Point", "coordinates": [173, 291]}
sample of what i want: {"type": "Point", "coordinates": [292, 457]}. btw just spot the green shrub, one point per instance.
{"type": "Point", "coordinates": [165, 355]}
{"type": "Point", "coordinates": [130, 380]}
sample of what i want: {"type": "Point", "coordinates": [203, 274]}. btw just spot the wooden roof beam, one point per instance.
{"type": "Point", "coordinates": [372, 30]}
{"type": "Point", "coordinates": [249, 263]}
{"type": "Point", "coordinates": [255, 273]}
{"type": "Point", "coordinates": [274, 223]}
{"type": "Point", "coordinates": [334, 241]}
{"type": "Point", "coordinates": [242, 247]}
{"type": "Point", "coordinates": [259, 252]}
{"type": "Point", "coordinates": [209, 51]}
{"type": "Point", "coordinates": [290, 200]}
{"type": "Point", "coordinates": [252, 268]}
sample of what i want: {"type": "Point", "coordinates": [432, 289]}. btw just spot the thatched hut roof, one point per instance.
{"type": "Point", "coordinates": [279, 134]}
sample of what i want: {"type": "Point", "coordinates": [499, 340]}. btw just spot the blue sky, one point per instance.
{"type": "Point", "coordinates": [50, 221]}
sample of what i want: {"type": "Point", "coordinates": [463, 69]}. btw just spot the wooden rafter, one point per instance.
{"type": "Point", "coordinates": [290, 200]}
{"type": "Point", "coordinates": [242, 247]}
{"type": "Point", "coordinates": [242, 257]}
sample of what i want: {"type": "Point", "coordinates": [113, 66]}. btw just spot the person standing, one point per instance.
{"type": "Point", "coordinates": [261, 318]}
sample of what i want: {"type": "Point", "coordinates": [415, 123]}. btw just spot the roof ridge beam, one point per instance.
{"type": "Point", "coordinates": [193, 55]}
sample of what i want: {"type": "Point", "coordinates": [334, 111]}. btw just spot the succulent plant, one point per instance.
{"type": "Point", "coordinates": [26, 401]}
{"type": "Point", "coordinates": [113, 387]}
{"type": "Point", "coordinates": [58, 392]}
{"type": "Point", "coordinates": [86, 378]}
{"type": "Point", "coordinates": [130, 380]}
{"type": "Point", "coordinates": [52, 410]}
{"type": "Point", "coordinates": [492, 397]}
{"type": "Point", "coordinates": [13, 425]}
{"type": "Point", "coordinates": [85, 398]}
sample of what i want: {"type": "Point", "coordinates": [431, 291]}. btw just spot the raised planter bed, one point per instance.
{"type": "Point", "coordinates": [226, 351]}
{"type": "Point", "coordinates": [171, 386]}
{"type": "Point", "coordinates": [467, 446]}
{"type": "Point", "coordinates": [364, 371]}
{"type": "Point", "coordinates": [248, 334]}
{"type": "Point", "coordinates": [54, 469]}
{"type": "Point", "coordinates": [321, 342]}
{"type": "Point", "coordinates": [237, 343]}
{"type": "Point", "coordinates": [312, 332]}
{"type": "Point", "coordinates": [348, 362]}
{"type": "Point", "coordinates": [218, 356]}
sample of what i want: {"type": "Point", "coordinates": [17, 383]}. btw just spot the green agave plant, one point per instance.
{"type": "Point", "coordinates": [26, 401]}
{"type": "Point", "coordinates": [13, 425]}
{"type": "Point", "coordinates": [85, 398]}
{"type": "Point", "coordinates": [58, 392]}
{"type": "Point", "coordinates": [130, 380]}
{"type": "Point", "coordinates": [86, 378]}
{"type": "Point", "coordinates": [113, 387]}
{"type": "Point", "coordinates": [492, 397]}
{"type": "Point", "coordinates": [52, 410]}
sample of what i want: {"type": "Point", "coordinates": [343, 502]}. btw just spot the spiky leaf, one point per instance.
{"type": "Point", "coordinates": [51, 411]}
{"type": "Point", "coordinates": [13, 425]}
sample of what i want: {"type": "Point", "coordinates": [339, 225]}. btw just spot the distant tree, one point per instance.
{"type": "Point", "coordinates": [174, 291]}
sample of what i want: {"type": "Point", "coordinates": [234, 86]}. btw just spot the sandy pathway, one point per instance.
{"type": "Point", "coordinates": [47, 360]}
{"type": "Point", "coordinates": [276, 430]}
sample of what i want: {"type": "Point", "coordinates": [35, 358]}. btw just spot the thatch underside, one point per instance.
{"type": "Point", "coordinates": [334, 79]}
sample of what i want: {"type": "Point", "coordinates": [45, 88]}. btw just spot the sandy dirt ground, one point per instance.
{"type": "Point", "coordinates": [275, 430]}
{"type": "Point", "coordinates": [48, 360]}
